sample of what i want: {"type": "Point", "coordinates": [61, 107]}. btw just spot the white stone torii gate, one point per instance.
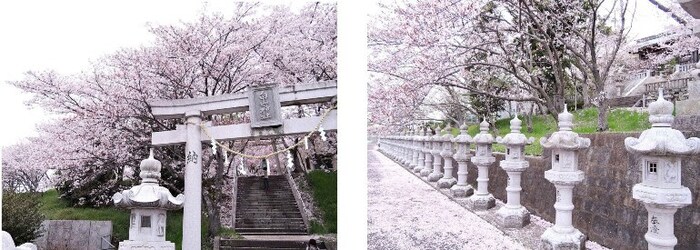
{"type": "Point", "coordinates": [266, 122]}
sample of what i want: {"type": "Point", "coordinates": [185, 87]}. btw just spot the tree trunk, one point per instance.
{"type": "Point", "coordinates": [277, 158]}
{"type": "Point", "coordinates": [585, 93]}
{"type": "Point", "coordinates": [529, 118]}
{"type": "Point", "coordinates": [603, 115]}
{"type": "Point", "coordinates": [214, 197]}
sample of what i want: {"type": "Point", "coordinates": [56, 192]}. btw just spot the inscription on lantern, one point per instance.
{"type": "Point", "coordinates": [654, 225]}
{"type": "Point", "coordinates": [264, 106]}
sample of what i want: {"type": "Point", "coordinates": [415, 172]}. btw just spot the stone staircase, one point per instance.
{"type": "Point", "coordinates": [265, 212]}
{"type": "Point", "coordinates": [261, 244]}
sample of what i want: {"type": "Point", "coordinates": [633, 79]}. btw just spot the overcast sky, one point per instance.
{"type": "Point", "coordinates": [66, 35]}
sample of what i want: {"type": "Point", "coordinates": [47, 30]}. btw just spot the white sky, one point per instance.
{"type": "Point", "coordinates": [66, 35]}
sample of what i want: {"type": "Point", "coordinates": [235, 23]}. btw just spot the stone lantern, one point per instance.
{"type": "Point", "coordinates": [447, 180]}
{"type": "Point", "coordinates": [437, 158]}
{"type": "Point", "coordinates": [482, 199]}
{"type": "Point", "coordinates": [462, 188]}
{"type": "Point", "coordinates": [148, 202]}
{"type": "Point", "coordinates": [564, 174]}
{"type": "Point", "coordinates": [659, 149]}
{"type": "Point", "coordinates": [420, 164]}
{"type": "Point", "coordinates": [400, 148]}
{"type": "Point", "coordinates": [409, 150]}
{"type": "Point", "coordinates": [405, 149]}
{"type": "Point", "coordinates": [414, 150]}
{"type": "Point", "coordinates": [514, 215]}
{"type": "Point", "coordinates": [427, 150]}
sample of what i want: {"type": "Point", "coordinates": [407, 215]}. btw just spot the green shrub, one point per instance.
{"type": "Point", "coordinates": [324, 186]}
{"type": "Point", "coordinates": [20, 216]}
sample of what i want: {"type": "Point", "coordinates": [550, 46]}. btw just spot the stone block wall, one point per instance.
{"type": "Point", "coordinates": [624, 101]}
{"type": "Point", "coordinates": [74, 234]}
{"type": "Point", "coordinates": [605, 210]}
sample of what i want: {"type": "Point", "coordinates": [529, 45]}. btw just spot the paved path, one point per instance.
{"type": "Point", "coordinates": [406, 213]}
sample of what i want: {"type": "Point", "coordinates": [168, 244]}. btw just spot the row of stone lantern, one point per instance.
{"type": "Point", "coordinates": [422, 152]}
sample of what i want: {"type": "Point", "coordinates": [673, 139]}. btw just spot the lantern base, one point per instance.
{"type": "Point", "coordinates": [434, 176]}
{"type": "Point", "coordinates": [554, 240]}
{"type": "Point", "coordinates": [417, 169]}
{"type": "Point", "coordinates": [447, 182]}
{"type": "Point", "coordinates": [160, 245]}
{"type": "Point", "coordinates": [482, 202]}
{"type": "Point", "coordinates": [425, 172]}
{"type": "Point", "coordinates": [462, 191]}
{"type": "Point", "coordinates": [513, 217]}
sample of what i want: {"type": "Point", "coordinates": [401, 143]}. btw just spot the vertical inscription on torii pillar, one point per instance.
{"type": "Point", "coordinates": [264, 106]}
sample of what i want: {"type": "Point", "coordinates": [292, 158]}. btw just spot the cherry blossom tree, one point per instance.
{"type": "Point", "coordinates": [105, 122]}
{"type": "Point", "coordinates": [536, 49]}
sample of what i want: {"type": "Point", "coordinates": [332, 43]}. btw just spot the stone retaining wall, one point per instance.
{"type": "Point", "coordinates": [74, 234]}
{"type": "Point", "coordinates": [605, 210]}
{"type": "Point", "coordinates": [624, 101]}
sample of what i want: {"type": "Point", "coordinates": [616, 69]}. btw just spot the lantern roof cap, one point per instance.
{"type": "Point", "coordinates": [463, 137]}
{"type": "Point", "coordinates": [565, 138]}
{"type": "Point", "coordinates": [148, 194]}
{"type": "Point", "coordinates": [661, 139]}
{"type": "Point", "coordinates": [515, 137]}
{"type": "Point", "coordinates": [483, 137]}
{"type": "Point", "coordinates": [447, 133]}
{"type": "Point", "coordinates": [661, 111]}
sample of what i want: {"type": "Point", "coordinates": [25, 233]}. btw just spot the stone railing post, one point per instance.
{"type": "Point", "coordinates": [437, 159]}
{"type": "Point", "coordinates": [462, 188]}
{"type": "Point", "coordinates": [420, 164]}
{"type": "Point", "coordinates": [660, 148]}
{"type": "Point", "coordinates": [447, 180]}
{"type": "Point", "coordinates": [514, 215]}
{"type": "Point", "coordinates": [482, 199]}
{"type": "Point", "coordinates": [564, 175]}
{"type": "Point", "coordinates": [427, 149]}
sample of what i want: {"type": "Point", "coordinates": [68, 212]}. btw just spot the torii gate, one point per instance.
{"type": "Point", "coordinates": [266, 121]}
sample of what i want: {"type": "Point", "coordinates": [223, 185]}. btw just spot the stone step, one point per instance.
{"type": "Point", "coordinates": [268, 199]}
{"type": "Point", "coordinates": [248, 191]}
{"type": "Point", "coordinates": [263, 191]}
{"type": "Point", "coordinates": [263, 209]}
{"type": "Point", "coordinates": [250, 216]}
{"type": "Point", "coordinates": [275, 203]}
{"type": "Point", "coordinates": [271, 211]}
{"type": "Point", "coordinates": [283, 207]}
{"type": "Point", "coordinates": [268, 220]}
{"type": "Point", "coordinates": [267, 231]}
{"type": "Point", "coordinates": [262, 248]}
{"type": "Point", "coordinates": [261, 244]}
{"type": "Point", "coordinates": [266, 196]}
{"type": "Point", "coordinates": [276, 226]}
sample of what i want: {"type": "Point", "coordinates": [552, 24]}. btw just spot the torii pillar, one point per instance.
{"type": "Point", "coordinates": [191, 233]}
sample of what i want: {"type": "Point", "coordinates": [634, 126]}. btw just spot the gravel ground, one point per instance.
{"type": "Point", "coordinates": [406, 213]}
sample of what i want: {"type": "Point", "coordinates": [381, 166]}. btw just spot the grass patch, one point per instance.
{"type": "Point", "coordinates": [585, 122]}
{"type": "Point", "coordinates": [229, 233]}
{"type": "Point", "coordinates": [324, 188]}
{"type": "Point", "coordinates": [56, 209]}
